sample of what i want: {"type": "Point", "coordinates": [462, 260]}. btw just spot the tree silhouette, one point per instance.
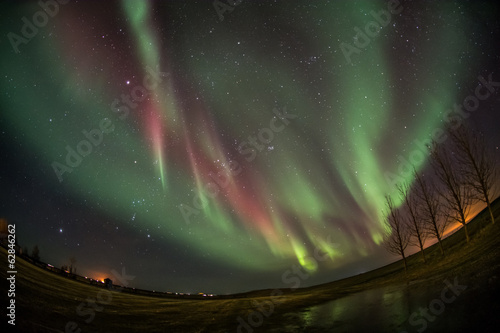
{"type": "Point", "coordinates": [396, 239]}
{"type": "Point", "coordinates": [35, 254]}
{"type": "Point", "coordinates": [72, 267]}
{"type": "Point", "coordinates": [430, 208]}
{"type": "Point", "coordinates": [477, 164]}
{"type": "Point", "coordinates": [416, 224]}
{"type": "Point", "coordinates": [456, 192]}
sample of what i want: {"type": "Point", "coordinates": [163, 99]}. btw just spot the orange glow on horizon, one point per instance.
{"type": "Point", "coordinates": [98, 276]}
{"type": "Point", "coordinates": [455, 226]}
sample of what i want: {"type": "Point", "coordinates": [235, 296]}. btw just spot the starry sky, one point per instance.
{"type": "Point", "coordinates": [209, 147]}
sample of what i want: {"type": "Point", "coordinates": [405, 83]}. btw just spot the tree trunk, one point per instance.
{"type": "Point", "coordinates": [491, 212]}
{"type": "Point", "coordinates": [466, 231]}
{"type": "Point", "coordinates": [441, 246]}
{"type": "Point", "coordinates": [423, 254]}
{"type": "Point", "coordinates": [421, 247]}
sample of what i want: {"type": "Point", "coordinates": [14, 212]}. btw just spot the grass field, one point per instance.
{"type": "Point", "coordinates": [47, 302]}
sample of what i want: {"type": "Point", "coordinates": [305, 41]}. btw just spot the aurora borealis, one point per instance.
{"type": "Point", "coordinates": [209, 155]}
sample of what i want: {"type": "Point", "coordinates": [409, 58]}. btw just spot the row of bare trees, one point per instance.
{"type": "Point", "coordinates": [464, 173]}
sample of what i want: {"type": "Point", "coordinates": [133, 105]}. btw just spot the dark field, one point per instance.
{"type": "Point", "coordinates": [46, 302]}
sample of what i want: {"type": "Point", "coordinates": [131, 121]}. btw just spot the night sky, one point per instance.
{"type": "Point", "coordinates": [212, 149]}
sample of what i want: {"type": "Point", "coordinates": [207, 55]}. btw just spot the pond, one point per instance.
{"type": "Point", "coordinates": [416, 307]}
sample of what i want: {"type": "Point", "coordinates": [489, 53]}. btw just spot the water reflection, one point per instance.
{"type": "Point", "coordinates": [383, 309]}
{"type": "Point", "coordinates": [365, 309]}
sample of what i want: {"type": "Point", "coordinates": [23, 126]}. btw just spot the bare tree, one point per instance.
{"type": "Point", "coordinates": [456, 193]}
{"type": "Point", "coordinates": [430, 208]}
{"type": "Point", "coordinates": [477, 164]}
{"type": "Point", "coordinates": [396, 239]}
{"type": "Point", "coordinates": [416, 224]}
